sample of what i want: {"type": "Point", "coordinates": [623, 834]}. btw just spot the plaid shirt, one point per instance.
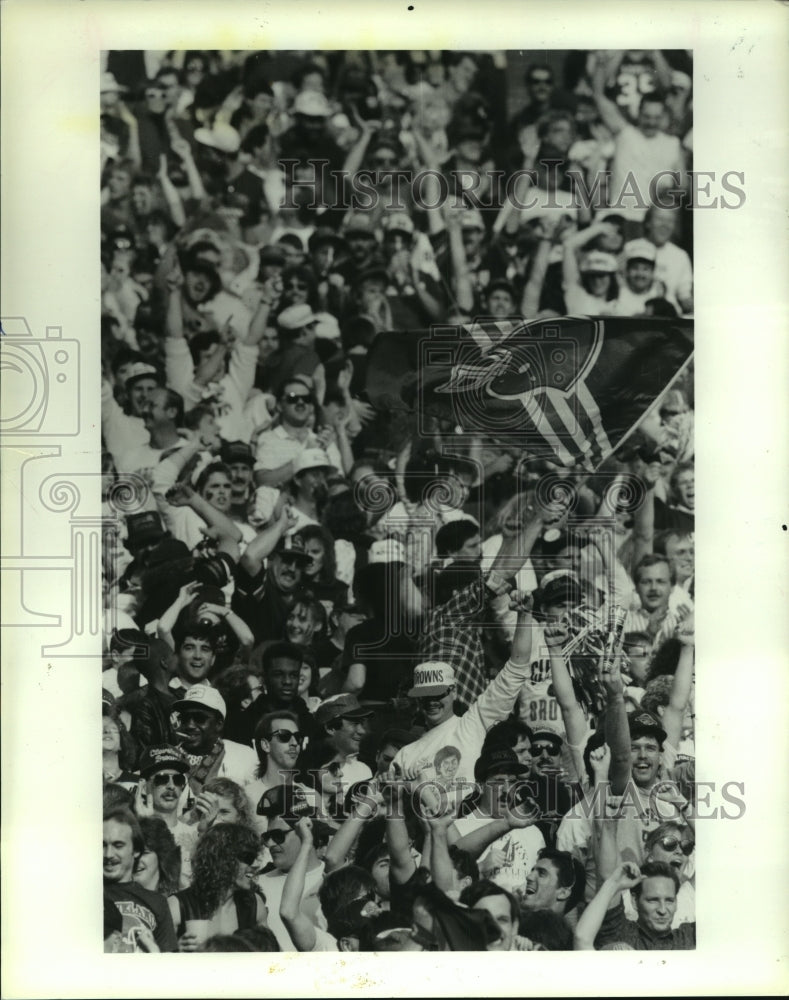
{"type": "Point", "coordinates": [453, 636]}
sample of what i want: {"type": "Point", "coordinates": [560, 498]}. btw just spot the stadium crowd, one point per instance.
{"type": "Point", "coordinates": [373, 682]}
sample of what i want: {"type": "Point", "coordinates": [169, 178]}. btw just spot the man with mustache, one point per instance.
{"type": "Point", "coordinates": [201, 714]}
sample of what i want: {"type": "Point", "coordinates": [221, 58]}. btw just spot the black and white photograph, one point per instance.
{"type": "Point", "coordinates": [368, 453]}
{"type": "Point", "coordinates": [397, 348]}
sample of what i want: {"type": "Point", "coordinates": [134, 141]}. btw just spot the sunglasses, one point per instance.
{"type": "Point", "coordinates": [551, 749]}
{"type": "Point", "coordinates": [286, 735]}
{"type": "Point", "coordinates": [277, 837]}
{"type": "Point", "coordinates": [437, 697]}
{"type": "Point", "coordinates": [294, 399]}
{"type": "Point", "coordinates": [247, 857]}
{"type": "Point", "coordinates": [198, 717]}
{"type": "Point", "coordinates": [384, 161]}
{"type": "Point", "coordinates": [334, 769]}
{"type": "Point", "coordinates": [160, 780]}
{"type": "Point", "coordinates": [672, 843]}
{"type": "Point", "coordinates": [298, 286]}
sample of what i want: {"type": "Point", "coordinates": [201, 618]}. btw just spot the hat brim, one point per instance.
{"type": "Point", "coordinates": [428, 690]}
{"type": "Point", "coordinates": [188, 703]}
{"type": "Point", "coordinates": [357, 713]}
{"type": "Point", "coordinates": [296, 554]}
{"type": "Point", "coordinates": [172, 765]}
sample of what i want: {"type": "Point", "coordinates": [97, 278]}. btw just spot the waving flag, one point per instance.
{"type": "Point", "coordinates": [569, 389]}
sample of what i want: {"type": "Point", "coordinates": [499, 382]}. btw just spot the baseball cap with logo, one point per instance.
{"type": "Point", "coordinates": [341, 706]}
{"type": "Point", "coordinates": [598, 262]}
{"type": "Point", "coordinates": [159, 756]}
{"type": "Point", "coordinates": [645, 724]}
{"type": "Point", "coordinates": [311, 458]}
{"type": "Point", "coordinates": [432, 677]}
{"type": "Point", "coordinates": [640, 250]}
{"type": "Point", "coordinates": [293, 548]}
{"type": "Point", "coordinates": [202, 696]}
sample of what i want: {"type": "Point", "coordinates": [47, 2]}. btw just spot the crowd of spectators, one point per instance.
{"type": "Point", "coordinates": [365, 687]}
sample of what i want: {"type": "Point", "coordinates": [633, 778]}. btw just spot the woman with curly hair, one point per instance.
{"type": "Point", "coordinates": [222, 893]}
{"type": "Point", "coordinates": [158, 868]}
{"type": "Point", "coordinates": [232, 802]}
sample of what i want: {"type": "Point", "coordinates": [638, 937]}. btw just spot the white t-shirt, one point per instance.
{"type": "Point", "coordinates": [465, 733]}
{"type": "Point", "coordinates": [674, 269]}
{"type": "Point", "coordinates": [520, 848]}
{"type": "Point", "coordinates": [642, 157]}
{"type": "Point", "coordinates": [273, 885]}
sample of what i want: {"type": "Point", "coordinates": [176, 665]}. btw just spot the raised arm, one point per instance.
{"type": "Point", "coordinates": [515, 817]}
{"type": "Point", "coordinates": [624, 876]}
{"type": "Point", "coordinates": [401, 863]}
{"type": "Point", "coordinates": [617, 733]}
{"type": "Point", "coordinates": [644, 516]}
{"type": "Point", "coordinates": [226, 532]}
{"type": "Point", "coordinates": [171, 196]}
{"type": "Point", "coordinates": [344, 840]}
{"type": "Point", "coordinates": [532, 290]}
{"type": "Point", "coordinates": [611, 115]}
{"type": "Point", "coordinates": [167, 620]}
{"type": "Point", "coordinates": [464, 291]}
{"type": "Point", "coordinates": [264, 543]}
{"type": "Point", "coordinates": [441, 868]}
{"type": "Point", "coordinates": [575, 724]}
{"type": "Point", "coordinates": [674, 712]}
{"type": "Point", "coordinates": [299, 926]}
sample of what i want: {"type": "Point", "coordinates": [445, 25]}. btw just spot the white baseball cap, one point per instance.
{"type": "Point", "coordinates": [599, 262]}
{"type": "Point", "coordinates": [205, 695]}
{"type": "Point", "coordinates": [311, 458]}
{"type": "Point", "coordinates": [640, 250]}
{"type": "Point", "coordinates": [431, 677]}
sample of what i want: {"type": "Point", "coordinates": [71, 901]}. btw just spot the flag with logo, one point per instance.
{"type": "Point", "coordinates": [569, 388]}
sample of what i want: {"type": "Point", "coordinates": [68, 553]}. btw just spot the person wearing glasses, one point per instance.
{"type": "Point", "coordinates": [164, 794]}
{"type": "Point", "coordinates": [673, 844]}
{"type": "Point", "coordinates": [201, 714]}
{"type": "Point", "coordinates": [283, 807]}
{"type": "Point", "coordinates": [278, 744]}
{"type": "Point", "coordinates": [222, 897]}
{"type": "Point", "coordinates": [278, 448]}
